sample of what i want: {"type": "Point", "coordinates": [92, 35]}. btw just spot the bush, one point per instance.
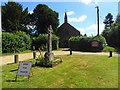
{"type": "Point", "coordinates": [55, 42]}
{"type": "Point", "coordinates": [26, 39]}
{"type": "Point", "coordinates": [12, 43]}
{"type": "Point", "coordinates": [107, 49]}
{"type": "Point", "coordinates": [78, 38]}
{"type": "Point", "coordinates": [43, 47]}
{"type": "Point", "coordinates": [112, 36]}
{"type": "Point", "coordinates": [41, 41]}
{"type": "Point", "coordinates": [15, 42]}
{"type": "Point", "coordinates": [96, 38]}
{"type": "Point", "coordinates": [79, 43]}
{"type": "Point", "coordinates": [99, 38]}
{"type": "Point", "coordinates": [83, 43]}
{"type": "Point", "coordinates": [41, 61]}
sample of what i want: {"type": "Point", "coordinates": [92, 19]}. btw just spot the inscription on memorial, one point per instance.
{"type": "Point", "coordinates": [24, 68]}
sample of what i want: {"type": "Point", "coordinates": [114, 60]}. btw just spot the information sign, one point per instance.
{"type": "Point", "coordinates": [24, 68]}
{"type": "Point", "coordinates": [94, 44]}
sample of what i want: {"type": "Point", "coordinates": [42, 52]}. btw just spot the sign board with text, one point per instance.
{"type": "Point", "coordinates": [94, 44]}
{"type": "Point", "coordinates": [24, 68]}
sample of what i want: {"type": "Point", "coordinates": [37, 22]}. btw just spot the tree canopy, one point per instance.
{"type": "Point", "coordinates": [108, 21]}
{"type": "Point", "coordinates": [112, 35]}
{"type": "Point", "coordinates": [42, 17]}
{"type": "Point", "coordinates": [14, 17]}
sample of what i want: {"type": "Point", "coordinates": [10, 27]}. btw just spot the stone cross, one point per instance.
{"type": "Point", "coordinates": [49, 56]}
{"type": "Point", "coordinates": [50, 39]}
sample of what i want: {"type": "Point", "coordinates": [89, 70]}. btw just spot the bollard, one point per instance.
{"type": "Point", "coordinates": [15, 58]}
{"type": "Point", "coordinates": [70, 52]}
{"type": "Point", "coordinates": [34, 55]}
{"type": "Point", "coordinates": [110, 54]}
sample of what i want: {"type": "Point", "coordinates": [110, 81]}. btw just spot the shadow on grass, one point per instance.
{"type": "Point", "coordinates": [13, 70]}
{"type": "Point", "coordinates": [15, 80]}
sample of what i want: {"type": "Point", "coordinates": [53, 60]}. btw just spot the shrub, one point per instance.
{"type": "Point", "coordinates": [12, 43]}
{"type": "Point", "coordinates": [15, 42]}
{"type": "Point", "coordinates": [107, 49]}
{"type": "Point", "coordinates": [78, 38]}
{"type": "Point", "coordinates": [55, 42]}
{"type": "Point", "coordinates": [41, 61]}
{"type": "Point", "coordinates": [41, 41]}
{"type": "Point", "coordinates": [26, 39]}
{"type": "Point", "coordinates": [106, 32]}
{"type": "Point", "coordinates": [43, 47]}
{"type": "Point", "coordinates": [79, 43]}
{"type": "Point", "coordinates": [84, 43]}
{"type": "Point", "coordinates": [99, 38]}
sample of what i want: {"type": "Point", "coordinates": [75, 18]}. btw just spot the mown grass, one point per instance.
{"type": "Point", "coordinates": [76, 71]}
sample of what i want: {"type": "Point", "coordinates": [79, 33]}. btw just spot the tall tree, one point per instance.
{"type": "Point", "coordinates": [118, 19]}
{"type": "Point", "coordinates": [108, 21]}
{"type": "Point", "coordinates": [43, 16]}
{"type": "Point", "coordinates": [14, 17]}
{"type": "Point", "coordinates": [115, 34]}
{"type": "Point", "coordinates": [112, 35]}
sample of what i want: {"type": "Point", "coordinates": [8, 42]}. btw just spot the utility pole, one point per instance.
{"type": "Point", "coordinates": [97, 19]}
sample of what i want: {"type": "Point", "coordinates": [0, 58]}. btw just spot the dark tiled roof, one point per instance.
{"type": "Point", "coordinates": [67, 30]}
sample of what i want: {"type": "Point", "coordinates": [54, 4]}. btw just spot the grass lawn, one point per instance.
{"type": "Point", "coordinates": [76, 71]}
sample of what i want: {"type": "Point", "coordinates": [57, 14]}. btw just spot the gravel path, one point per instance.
{"type": "Point", "coordinates": [10, 59]}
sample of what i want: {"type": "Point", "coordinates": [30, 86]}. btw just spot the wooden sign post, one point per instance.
{"type": "Point", "coordinates": [24, 69]}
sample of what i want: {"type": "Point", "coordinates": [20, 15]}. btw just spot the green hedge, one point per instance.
{"type": "Point", "coordinates": [83, 43]}
{"type": "Point", "coordinates": [41, 42]}
{"type": "Point", "coordinates": [26, 39]}
{"type": "Point", "coordinates": [12, 42]}
{"type": "Point", "coordinates": [95, 38]}
{"type": "Point", "coordinates": [107, 49]}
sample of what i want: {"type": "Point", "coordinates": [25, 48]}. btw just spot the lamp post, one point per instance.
{"type": "Point", "coordinates": [97, 19]}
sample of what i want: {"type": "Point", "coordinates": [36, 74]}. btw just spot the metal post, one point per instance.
{"type": "Point", "coordinates": [34, 55]}
{"type": "Point", "coordinates": [98, 19]}
{"type": "Point", "coordinates": [70, 51]}
{"type": "Point", "coordinates": [110, 54]}
{"type": "Point", "coordinates": [15, 58]}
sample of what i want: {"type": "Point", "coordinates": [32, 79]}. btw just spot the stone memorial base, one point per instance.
{"type": "Point", "coordinates": [48, 60]}
{"type": "Point", "coordinates": [49, 56]}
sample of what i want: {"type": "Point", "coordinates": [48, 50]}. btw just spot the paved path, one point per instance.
{"type": "Point", "coordinates": [10, 59]}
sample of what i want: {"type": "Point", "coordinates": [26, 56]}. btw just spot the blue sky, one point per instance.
{"type": "Point", "coordinates": [81, 15]}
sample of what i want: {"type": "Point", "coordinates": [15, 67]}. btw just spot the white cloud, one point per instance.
{"type": "Point", "coordinates": [80, 19]}
{"type": "Point", "coordinates": [94, 2]}
{"type": "Point", "coordinates": [86, 1]}
{"type": "Point", "coordinates": [92, 29]}
{"type": "Point", "coordinates": [70, 12]}
{"type": "Point", "coordinates": [81, 29]}
{"type": "Point", "coordinates": [31, 12]}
